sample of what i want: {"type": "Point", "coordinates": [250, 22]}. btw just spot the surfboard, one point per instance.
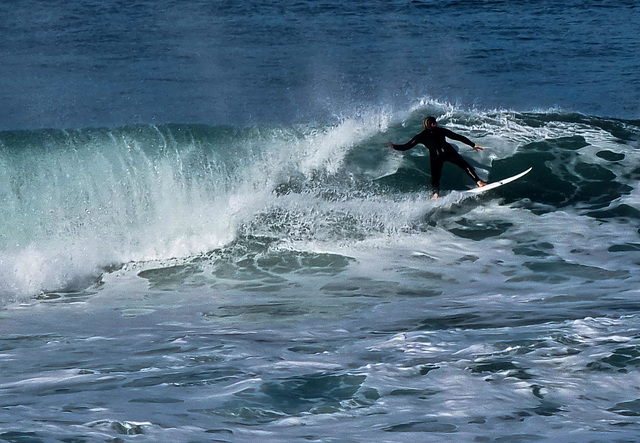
{"type": "Point", "coordinates": [497, 184]}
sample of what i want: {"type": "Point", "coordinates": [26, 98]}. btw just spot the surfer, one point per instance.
{"type": "Point", "coordinates": [440, 151]}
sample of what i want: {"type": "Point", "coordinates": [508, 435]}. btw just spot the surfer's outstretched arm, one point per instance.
{"type": "Point", "coordinates": [408, 145]}
{"type": "Point", "coordinates": [461, 138]}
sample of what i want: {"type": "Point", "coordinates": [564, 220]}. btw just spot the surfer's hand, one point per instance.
{"type": "Point", "coordinates": [388, 145]}
{"type": "Point", "coordinates": [478, 148]}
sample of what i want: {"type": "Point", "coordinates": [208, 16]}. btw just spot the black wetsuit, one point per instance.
{"type": "Point", "coordinates": [440, 151]}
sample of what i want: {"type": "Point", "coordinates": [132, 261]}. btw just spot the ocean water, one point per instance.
{"type": "Point", "coordinates": [204, 239]}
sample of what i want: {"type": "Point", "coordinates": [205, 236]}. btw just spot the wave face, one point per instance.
{"type": "Point", "coordinates": [79, 203]}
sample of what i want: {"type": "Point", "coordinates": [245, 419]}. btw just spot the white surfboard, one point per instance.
{"type": "Point", "coordinates": [497, 184]}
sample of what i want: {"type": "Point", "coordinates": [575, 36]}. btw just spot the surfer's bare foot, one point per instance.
{"type": "Point", "coordinates": [481, 183]}
{"type": "Point", "coordinates": [435, 196]}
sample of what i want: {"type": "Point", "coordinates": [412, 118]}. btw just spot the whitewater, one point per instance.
{"type": "Point", "coordinates": [204, 237]}
{"type": "Point", "coordinates": [262, 279]}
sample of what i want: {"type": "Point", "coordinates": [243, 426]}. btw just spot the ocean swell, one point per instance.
{"type": "Point", "coordinates": [78, 203]}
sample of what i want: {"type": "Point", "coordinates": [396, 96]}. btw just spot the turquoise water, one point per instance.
{"type": "Point", "coordinates": [206, 240]}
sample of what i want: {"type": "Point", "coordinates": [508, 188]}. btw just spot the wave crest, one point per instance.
{"type": "Point", "coordinates": [79, 201]}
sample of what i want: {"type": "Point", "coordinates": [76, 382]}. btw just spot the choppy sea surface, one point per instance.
{"type": "Point", "coordinates": [204, 239]}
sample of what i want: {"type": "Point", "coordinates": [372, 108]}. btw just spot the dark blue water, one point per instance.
{"type": "Point", "coordinates": [204, 239]}
{"type": "Point", "coordinates": [78, 64]}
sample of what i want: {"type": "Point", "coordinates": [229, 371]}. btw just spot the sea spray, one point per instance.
{"type": "Point", "coordinates": [78, 201]}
